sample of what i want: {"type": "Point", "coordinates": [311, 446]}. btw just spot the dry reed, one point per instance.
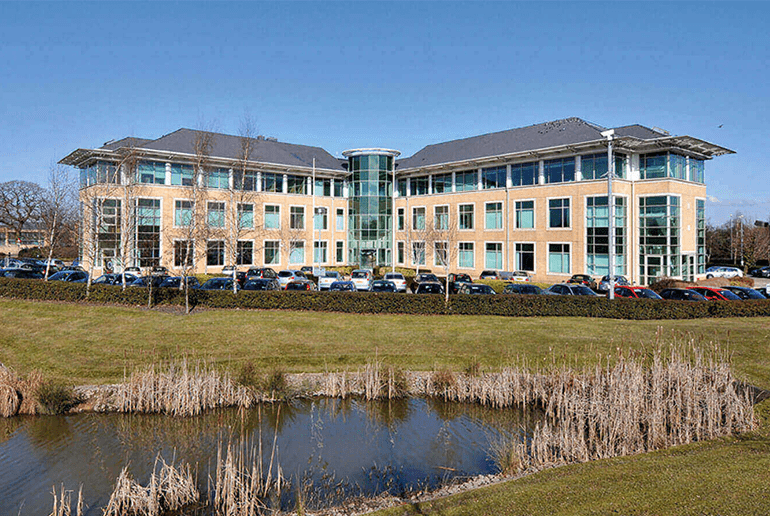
{"type": "Point", "coordinates": [9, 396]}
{"type": "Point", "coordinates": [62, 502]}
{"type": "Point", "coordinates": [180, 390]}
{"type": "Point", "coordinates": [170, 489]}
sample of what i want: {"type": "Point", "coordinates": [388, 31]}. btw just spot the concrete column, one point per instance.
{"type": "Point", "coordinates": [285, 188]}
{"type": "Point", "coordinates": [578, 169]}
{"type": "Point", "coordinates": [508, 178]}
{"type": "Point", "coordinates": [230, 179]}
{"type": "Point", "coordinates": [408, 186]}
{"type": "Point", "coordinates": [168, 174]}
{"type": "Point", "coordinates": [480, 183]}
{"type": "Point", "coordinates": [634, 172]}
{"type": "Point", "coordinates": [541, 172]}
{"type": "Point", "coordinates": [346, 189]}
{"type": "Point", "coordinates": [259, 181]}
{"type": "Point", "coordinates": [430, 184]}
{"type": "Point", "coordinates": [454, 181]}
{"type": "Point", "coordinates": [310, 186]}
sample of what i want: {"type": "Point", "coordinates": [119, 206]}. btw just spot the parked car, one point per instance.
{"type": "Point", "coordinates": [681, 294]}
{"type": "Point", "coordinates": [329, 277]}
{"type": "Point", "coordinates": [765, 291]}
{"type": "Point", "coordinates": [520, 276]}
{"type": "Point", "coordinates": [262, 284]}
{"type": "Point", "coordinates": [604, 284]}
{"type": "Point", "coordinates": [424, 277]}
{"type": "Point", "coordinates": [398, 279]}
{"type": "Point", "coordinates": [382, 285]}
{"type": "Point", "coordinates": [260, 272]}
{"type": "Point", "coordinates": [307, 269]}
{"type": "Point", "coordinates": [70, 276]}
{"type": "Point", "coordinates": [519, 288]}
{"type": "Point", "coordinates": [114, 279]}
{"type": "Point", "coordinates": [489, 275]}
{"type": "Point", "coordinates": [342, 286]}
{"type": "Point", "coordinates": [144, 281]}
{"type": "Point", "coordinates": [636, 292]}
{"type": "Point", "coordinates": [569, 289]}
{"type": "Point", "coordinates": [455, 281]}
{"type": "Point", "coordinates": [219, 284]}
{"type": "Point", "coordinates": [228, 269]}
{"type": "Point", "coordinates": [745, 292]}
{"type": "Point", "coordinates": [429, 287]}
{"type": "Point", "coordinates": [54, 262]}
{"type": "Point", "coordinates": [176, 281]}
{"type": "Point", "coordinates": [583, 279]}
{"type": "Point", "coordinates": [132, 270]}
{"type": "Point", "coordinates": [362, 279]}
{"type": "Point", "coordinates": [476, 288]}
{"type": "Point", "coordinates": [760, 272]}
{"type": "Point", "coordinates": [21, 273]}
{"type": "Point", "coordinates": [302, 284]}
{"type": "Point", "coordinates": [716, 294]}
{"type": "Point", "coordinates": [723, 272]}
{"type": "Point", "coordinates": [288, 275]}
{"type": "Point", "coordinates": [159, 270]}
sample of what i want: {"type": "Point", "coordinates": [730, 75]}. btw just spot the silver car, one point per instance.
{"type": "Point", "coordinates": [362, 279]}
{"type": "Point", "coordinates": [398, 279]}
{"type": "Point", "coordinates": [329, 277]}
{"type": "Point", "coordinates": [284, 277]}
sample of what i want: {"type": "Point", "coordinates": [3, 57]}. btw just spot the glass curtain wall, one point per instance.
{"type": "Point", "coordinates": [370, 217]}
{"type": "Point", "coordinates": [597, 236]}
{"type": "Point", "coordinates": [659, 238]}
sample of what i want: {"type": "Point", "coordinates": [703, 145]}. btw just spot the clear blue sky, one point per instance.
{"type": "Point", "coordinates": [398, 75]}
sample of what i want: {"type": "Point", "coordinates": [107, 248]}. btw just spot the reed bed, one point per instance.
{"type": "Point", "coordinates": [18, 395]}
{"type": "Point", "coordinates": [170, 489]}
{"type": "Point", "coordinates": [180, 390]}
{"type": "Point", "coordinates": [62, 502]}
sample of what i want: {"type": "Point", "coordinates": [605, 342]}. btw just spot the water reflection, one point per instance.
{"type": "Point", "coordinates": [330, 448]}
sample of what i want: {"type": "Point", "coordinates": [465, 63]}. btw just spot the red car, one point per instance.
{"type": "Point", "coordinates": [636, 292]}
{"type": "Point", "coordinates": [715, 294]}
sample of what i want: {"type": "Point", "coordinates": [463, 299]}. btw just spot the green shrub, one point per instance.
{"type": "Point", "coordinates": [390, 303]}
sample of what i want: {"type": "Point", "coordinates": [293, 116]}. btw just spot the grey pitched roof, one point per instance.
{"type": "Point", "coordinates": [639, 131]}
{"type": "Point", "coordinates": [263, 150]}
{"type": "Point", "coordinates": [539, 136]}
{"type": "Point", "coordinates": [125, 142]}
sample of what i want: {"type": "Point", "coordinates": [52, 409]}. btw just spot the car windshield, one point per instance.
{"type": "Point", "coordinates": [463, 277]}
{"type": "Point", "coordinates": [285, 274]}
{"type": "Point", "coordinates": [752, 294]}
{"type": "Point", "coordinates": [582, 291]}
{"type": "Point", "coordinates": [332, 274]}
{"type": "Point", "coordinates": [647, 294]}
{"type": "Point", "coordinates": [394, 275]}
{"type": "Point", "coordinates": [359, 274]}
{"type": "Point", "coordinates": [729, 295]}
{"type": "Point", "coordinates": [429, 277]}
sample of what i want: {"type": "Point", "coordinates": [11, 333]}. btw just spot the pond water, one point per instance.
{"type": "Point", "coordinates": [339, 447]}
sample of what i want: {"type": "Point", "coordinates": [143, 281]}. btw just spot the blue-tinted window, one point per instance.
{"type": "Point", "coordinates": [419, 186]}
{"type": "Point", "coordinates": [151, 172]}
{"type": "Point", "coordinates": [652, 166]}
{"type": "Point", "coordinates": [181, 175]}
{"type": "Point", "coordinates": [218, 178]}
{"type": "Point", "coordinates": [493, 177]}
{"type": "Point", "coordinates": [560, 170]}
{"type": "Point", "coordinates": [523, 174]}
{"type": "Point", "coordinates": [272, 182]}
{"type": "Point", "coordinates": [442, 183]}
{"type": "Point", "coordinates": [697, 170]}
{"type": "Point", "coordinates": [468, 180]}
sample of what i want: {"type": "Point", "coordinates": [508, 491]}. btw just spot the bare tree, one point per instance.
{"type": "Point", "coordinates": [99, 218]}
{"type": "Point", "coordinates": [60, 209]}
{"type": "Point", "coordinates": [443, 239]}
{"type": "Point", "coordinates": [21, 206]}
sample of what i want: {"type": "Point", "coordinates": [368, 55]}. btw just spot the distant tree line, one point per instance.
{"type": "Point", "coordinates": [740, 241]}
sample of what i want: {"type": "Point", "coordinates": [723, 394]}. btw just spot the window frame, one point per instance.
{"type": "Point", "coordinates": [460, 254]}
{"type": "Point", "coordinates": [501, 215]}
{"type": "Point", "coordinates": [569, 212]}
{"type": "Point", "coordinates": [436, 218]}
{"type": "Point", "coordinates": [292, 215]}
{"type": "Point", "coordinates": [472, 215]}
{"type": "Point", "coordinates": [548, 258]}
{"type": "Point", "coordinates": [501, 251]}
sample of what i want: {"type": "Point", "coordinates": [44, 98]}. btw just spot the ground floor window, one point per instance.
{"type": "Point", "coordinates": [400, 253]}
{"type": "Point", "coordinates": [184, 251]}
{"type": "Point", "coordinates": [297, 253]}
{"type": "Point", "coordinates": [244, 253]}
{"type": "Point", "coordinates": [558, 258]}
{"type": "Point", "coordinates": [320, 251]}
{"type": "Point", "coordinates": [418, 253]}
{"type": "Point", "coordinates": [466, 255]}
{"type": "Point", "coordinates": [525, 257]}
{"type": "Point", "coordinates": [272, 252]}
{"type": "Point", "coordinates": [215, 253]}
{"type": "Point", "coordinates": [340, 251]}
{"type": "Point", "coordinates": [493, 256]}
{"type": "Point", "coordinates": [441, 254]}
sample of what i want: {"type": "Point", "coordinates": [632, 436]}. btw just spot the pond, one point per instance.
{"type": "Point", "coordinates": [334, 448]}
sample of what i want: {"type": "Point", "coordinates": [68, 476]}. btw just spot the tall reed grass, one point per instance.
{"type": "Point", "coordinates": [62, 502]}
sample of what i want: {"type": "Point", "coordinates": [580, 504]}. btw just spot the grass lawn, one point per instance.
{"type": "Point", "coordinates": [727, 477]}
{"type": "Point", "coordinates": [95, 344]}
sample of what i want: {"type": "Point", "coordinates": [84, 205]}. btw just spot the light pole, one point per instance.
{"type": "Point", "coordinates": [610, 135]}
{"type": "Point", "coordinates": [319, 211]}
{"type": "Point", "coordinates": [740, 218]}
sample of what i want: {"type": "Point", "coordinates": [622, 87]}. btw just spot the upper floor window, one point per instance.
{"type": "Point", "coordinates": [418, 218]}
{"type": "Point", "coordinates": [320, 220]}
{"type": "Point", "coordinates": [559, 170]}
{"type": "Point", "coordinates": [245, 180]}
{"type": "Point", "coordinates": [652, 166]}
{"type": "Point", "coordinates": [594, 166]}
{"type": "Point", "coordinates": [494, 215]}
{"type": "Point", "coordinates": [697, 170]}
{"type": "Point", "coordinates": [525, 214]}
{"type": "Point", "coordinates": [245, 216]}
{"type": "Point", "coordinates": [218, 178]}
{"type": "Point", "coordinates": [442, 183]}
{"type": "Point", "coordinates": [216, 214]}
{"type": "Point", "coordinates": [272, 182]}
{"type": "Point", "coordinates": [466, 216]}
{"type": "Point", "coordinates": [441, 217]}
{"type": "Point", "coordinates": [339, 188]}
{"type": "Point", "coordinates": [558, 213]}
{"type": "Point", "coordinates": [402, 187]}
{"type": "Point", "coordinates": [272, 216]}
{"type": "Point", "coordinates": [182, 175]}
{"type": "Point", "coordinates": [297, 217]}
{"type": "Point", "coordinates": [419, 186]}
{"type": "Point", "coordinates": [296, 184]}
{"type": "Point", "coordinates": [151, 172]}
{"type": "Point", "coordinates": [340, 219]}
{"type": "Point", "coordinates": [493, 177]}
{"type": "Point", "coordinates": [400, 219]}
{"type": "Point", "coordinates": [465, 181]}
{"type": "Point", "coordinates": [523, 174]}
{"type": "Point", "coordinates": [323, 187]}
{"type": "Point", "coordinates": [183, 211]}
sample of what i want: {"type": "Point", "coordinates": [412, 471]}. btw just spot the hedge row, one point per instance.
{"type": "Point", "coordinates": [387, 303]}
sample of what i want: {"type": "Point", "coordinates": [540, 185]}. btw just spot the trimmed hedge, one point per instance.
{"type": "Point", "coordinates": [388, 303]}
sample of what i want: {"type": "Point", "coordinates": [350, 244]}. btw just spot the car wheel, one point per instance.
{"type": "Point", "coordinates": [709, 276]}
